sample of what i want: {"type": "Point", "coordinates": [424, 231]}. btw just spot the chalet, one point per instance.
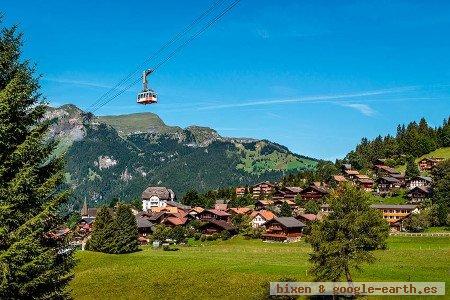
{"type": "Point", "coordinates": [286, 193]}
{"type": "Point", "coordinates": [241, 191]}
{"type": "Point", "coordinates": [346, 167]}
{"type": "Point", "coordinates": [216, 226]}
{"type": "Point", "coordinates": [259, 218]}
{"type": "Point", "coordinates": [418, 194]}
{"type": "Point", "coordinates": [399, 177]}
{"type": "Point", "coordinates": [364, 182]}
{"type": "Point", "coordinates": [386, 184]}
{"type": "Point", "coordinates": [394, 213]}
{"type": "Point", "coordinates": [313, 192]}
{"type": "Point", "coordinates": [193, 212]}
{"type": "Point", "coordinates": [156, 196]}
{"type": "Point", "coordinates": [214, 214]}
{"type": "Point", "coordinates": [306, 218]}
{"type": "Point", "coordinates": [178, 205]}
{"type": "Point", "coordinates": [427, 164]}
{"type": "Point", "coordinates": [383, 170]}
{"type": "Point", "coordinates": [419, 181]}
{"type": "Point", "coordinates": [239, 211]}
{"type": "Point", "coordinates": [350, 174]}
{"type": "Point", "coordinates": [263, 190]}
{"type": "Point", "coordinates": [338, 179]}
{"type": "Point", "coordinates": [283, 229]}
{"type": "Point", "coordinates": [263, 204]}
{"type": "Point", "coordinates": [145, 227]}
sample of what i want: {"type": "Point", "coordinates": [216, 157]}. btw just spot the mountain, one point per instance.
{"type": "Point", "coordinates": [119, 156]}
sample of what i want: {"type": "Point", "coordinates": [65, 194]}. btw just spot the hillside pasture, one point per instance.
{"type": "Point", "coordinates": [239, 269]}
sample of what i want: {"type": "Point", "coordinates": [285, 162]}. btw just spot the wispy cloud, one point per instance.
{"type": "Point", "coordinates": [311, 99]}
{"type": "Point", "coordinates": [362, 108]}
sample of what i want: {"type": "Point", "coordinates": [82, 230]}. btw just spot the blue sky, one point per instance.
{"type": "Point", "coordinates": [316, 76]}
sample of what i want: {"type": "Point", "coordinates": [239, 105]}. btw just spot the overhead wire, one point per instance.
{"type": "Point", "coordinates": [172, 54]}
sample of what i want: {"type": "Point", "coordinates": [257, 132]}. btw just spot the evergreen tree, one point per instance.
{"type": "Point", "coordinates": [312, 207]}
{"type": "Point", "coordinates": [344, 240]}
{"type": "Point", "coordinates": [125, 237]}
{"type": "Point", "coordinates": [102, 237]}
{"type": "Point", "coordinates": [33, 265]}
{"type": "Point", "coordinates": [411, 168]}
{"type": "Point", "coordinates": [441, 190]}
{"type": "Point", "coordinates": [285, 210]}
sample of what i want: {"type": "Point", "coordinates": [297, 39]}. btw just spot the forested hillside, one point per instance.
{"type": "Point", "coordinates": [412, 140]}
{"type": "Point", "coordinates": [119, 156]}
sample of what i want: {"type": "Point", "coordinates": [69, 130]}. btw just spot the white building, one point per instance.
{"type": "Point", "coordinates": [259, 218]}
{"type": "Point", "coordinates": [156, 196]}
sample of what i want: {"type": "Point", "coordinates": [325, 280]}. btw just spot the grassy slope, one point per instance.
{"type": "Point", "coordinates": [238, 268]}
{"type": "Point", "coordinates": [138, 122]}
{"type": "Point", "coordinates": [441, 152]}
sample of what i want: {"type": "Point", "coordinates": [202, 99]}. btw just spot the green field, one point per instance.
{"type": "Point", "coordinates": [238, 269]}
{"type": "Point", "coordinates": [441, 152]}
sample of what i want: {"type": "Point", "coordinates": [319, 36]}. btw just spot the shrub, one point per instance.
{"type": "Point", "coordinates": [197, 236]}
{"type": "Point", "coordinates": [203, 238]}
{"type": "Point", "coordinates": [225, 235]}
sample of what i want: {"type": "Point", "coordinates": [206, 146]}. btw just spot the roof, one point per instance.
{"type": "Point", "coordinates": [309, 217]}
{"type": "Point", "coordinates": [197, 209]}
{"type": "Point", "coordinates": [389, 179]}
{"type": "Point", "coordinates": [88, 220]}
{"type": "Point", "coordinates": [393, 206]}
{"type": "Point", "coordinates": [420, 188]}
{"type": "Point", "coordinates": [347, 166]}
{"type": "Point", "coordinates": [362, 176]}
{"type": "Point", "coordinates": [264, 182]}
{"type": "Point", "coordinates": [222, 224]}
{"type": "Point", "coordinates": [265, 202]}
{"type": "Point", "coordinates": [294, 189]}
{"type": "Point", "coordinates": [266, 214]}
{"type": "Point", "coordinates": [288, 222]}
{"type": "Point", "coordinates": [317, 188]}
{"type": "Point", "coordinates": [156, 216]}
{"type": "Point", "coordinates": [176, 221]}
{"type": "Point", "coordinates": [365, 180]}
{"type": "Point", "coordinates": [388, 169]}
{"type": "Point", "coordinates": [351, 172]}
{"type": "Point", "coordinates": [161, 192]}
{"type": "Point", "coordinates": [218, 212]}
{"type": "Point", "coordinates": [178, 205]}
{"type": "Point", "coordinates": [221, 206]}
{"type": "Point", "coordinates": [339, 178]}
{"type": "Point", "coordinates": [426, 178]}
{"type": "Point", "coordinates": [143, 223]}
{"type": "Point", "coordinates": [239, 210]}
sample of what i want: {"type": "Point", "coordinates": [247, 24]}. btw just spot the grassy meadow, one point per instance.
{"type": "Point", "coordinates": [238, 268]}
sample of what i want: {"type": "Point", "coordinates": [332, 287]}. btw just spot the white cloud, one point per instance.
{"type": "Point", "coordinates": [362, 108]}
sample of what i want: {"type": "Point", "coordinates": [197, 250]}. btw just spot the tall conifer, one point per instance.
{"type": "Point", "coordinates": [33, 264]}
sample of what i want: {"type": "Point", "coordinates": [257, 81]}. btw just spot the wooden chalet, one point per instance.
{"type": "Point", "coordinates": [346, 167]}
{"type": "Point", "coordinates": [173, 221]}
{"type": "Point", "coordinates": [241, 191]}
{"type": "Point", "coordinates": [427, 164]}
{"type": "Point", "coordinates": [350, 174]}
{"type": "Point", "coordinates": [263, 204]}
{"type": "Point", "coordinates": [286, 193]}
{"type": "Point", "coordinates": [338, 179]}
{"type": "Point", "coordinates": [217, 226]}
{"type": "Point", "coordinates": [283, 229]}
{"type": "Point", "coordinates": [214, 214]}
{"type": "Point", "coordinates": [239, 211]}
{"type": "Point", "coordinates": [419, 181]}
{"type": "Point", "coordinates": [314, 192]}
{"type": "Point", "coordinates": [221, 206]}
{"type": "Point", "coordinates": [263, 190]}
{"type": "Point", "coordinates": [418, 194]}
{"type": "Point", "coordinates": [387, 183]}
{"type": "Point", "coordinates": [364, 182]}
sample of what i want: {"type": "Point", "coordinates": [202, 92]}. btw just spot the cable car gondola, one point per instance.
{"type": "Point", "coordinates": [147, 96]}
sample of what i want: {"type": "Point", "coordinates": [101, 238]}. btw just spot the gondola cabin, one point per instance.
{"type": "Point", "coordinates": [147, 97]}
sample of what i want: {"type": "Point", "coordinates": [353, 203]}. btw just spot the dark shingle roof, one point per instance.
{"type": "Point", "coordinates": [289, 222]}
{"type": "Point", "coordinates": [161, 192]}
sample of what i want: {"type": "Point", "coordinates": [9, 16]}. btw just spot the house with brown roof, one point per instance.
{"type": "Point", "coordinates": [418, 194]}
{"type": "Point", "coordinates": [314, 192]}
{"type": "Point", "coordinates": [221, 206]}
{"type": "Point", "coordinates": [364, 182]}
{"type": "Point", "coordinates": [306, 218]}
{"type": "Point", "coordinates": [393, 213]}
{"type": "Point", "coordinates": [286, 193]}
{"type": "Point", "coordinates": [338, 179]}
{"type": "Point", "coordinates": [387, 183]}
{"type": "Point", "coordinates": [239, 211]}
{"type": "Point", "coordinates": [156, 196]}
{"type": "Point", "coordinates": [350, 174]}
{"type": "Point", "coordinates": [217, 226]}
{"type": "Point", "coordinates": [263, 190]}
{"type": "Point", "coordinates": [283, 229]}
{"type": "Point", "coordinates": [423, 181]}
{"type": "Point", "coordinates": [214, 214]}
{"type": "Point", "coordinates": [263, 204]}
{"type": "Point", "coordinates": [173, 221]}
{"type": "Point", "coordinates": [260, 217]}
{"type": "Point", "coordinates": [241, 191]}
{"type": "Point", "coordinates": [427, 164]}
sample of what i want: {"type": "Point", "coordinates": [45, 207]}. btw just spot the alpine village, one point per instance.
{"type": "Point", "coordinates": [97, 202]}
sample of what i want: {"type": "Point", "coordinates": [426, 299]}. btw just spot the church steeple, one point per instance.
{"type": "Point", "coordinates": [84, 210]}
